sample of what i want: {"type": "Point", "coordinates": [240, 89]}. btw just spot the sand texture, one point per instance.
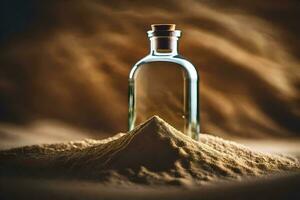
{"type": "Point", "coordinates": [154, 153]}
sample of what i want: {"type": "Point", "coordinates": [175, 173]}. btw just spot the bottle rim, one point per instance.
{"type": "Point", "coordinates": [163, 33]}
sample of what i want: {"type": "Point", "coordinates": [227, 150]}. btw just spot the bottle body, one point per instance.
{"type": "Point", "coordinates": [164, 84]}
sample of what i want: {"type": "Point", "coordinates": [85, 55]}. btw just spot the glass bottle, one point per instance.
{"type": "Point", "coordinates": [165, 84]}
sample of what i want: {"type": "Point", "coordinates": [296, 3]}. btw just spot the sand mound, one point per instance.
{"type": "Point", "coordinates": [153, 153]}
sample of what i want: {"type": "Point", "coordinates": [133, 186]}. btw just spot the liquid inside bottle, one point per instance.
{"type": "Point", "coordinates": [164, 84]}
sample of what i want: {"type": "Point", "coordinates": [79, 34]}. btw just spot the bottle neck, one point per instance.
{"type": "Point", "coordinates": [164, 45]}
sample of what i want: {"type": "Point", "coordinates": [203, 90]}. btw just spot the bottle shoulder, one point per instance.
{"type": "Point", "coordinates": [177, 59]}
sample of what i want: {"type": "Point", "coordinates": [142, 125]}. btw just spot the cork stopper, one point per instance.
{"type": "Point", "coordinates": [163, 27]}
{"type": "Point", "coordinates": [163, 30]}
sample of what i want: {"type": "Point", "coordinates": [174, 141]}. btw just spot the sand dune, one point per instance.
{"type": "Point", "coordinates": [70, 61]}
{"type": "Point", "coordinates": [153, 154]}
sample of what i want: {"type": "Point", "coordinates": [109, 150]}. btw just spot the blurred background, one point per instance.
{"type": "Point", "coordinates": [64, 65]}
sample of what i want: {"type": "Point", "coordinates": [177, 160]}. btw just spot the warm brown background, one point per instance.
{"type": "Point", "coordinates": [68, 62]}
